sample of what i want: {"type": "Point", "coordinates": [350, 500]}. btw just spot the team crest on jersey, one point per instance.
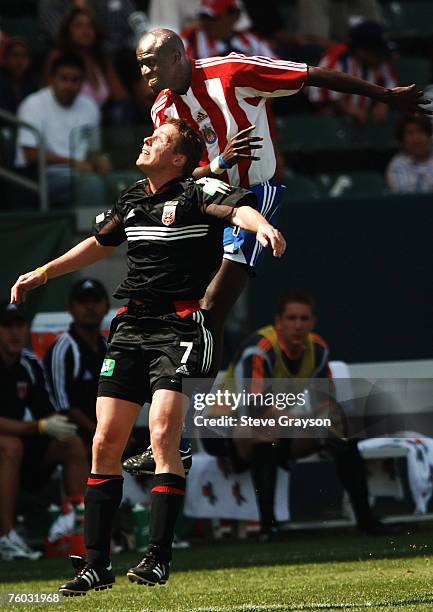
{"type": "Point", "coordinates": [22, 389]}
{"type": "Point", "coordinates": [209, 134]}
{"type": "Point", "coordinates": [169, 213]}
{"type": "Point", "coordinates": [201, 116]}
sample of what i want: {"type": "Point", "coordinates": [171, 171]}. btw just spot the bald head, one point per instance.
{"type": "Point", "coordinates": [163, 61]}
{"type": "Point", "coordinates": [166, 41]}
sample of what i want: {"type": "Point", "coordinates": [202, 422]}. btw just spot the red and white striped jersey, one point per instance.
{"type": "Point", "coordinates": [340, 58]}
{"type": "Point", "coordinates": [226, 95]}
{"type": "Point", "coordinates": [199, 44]}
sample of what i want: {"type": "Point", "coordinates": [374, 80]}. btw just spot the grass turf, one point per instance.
{"type": "Point", "coordinates": [307, 571]}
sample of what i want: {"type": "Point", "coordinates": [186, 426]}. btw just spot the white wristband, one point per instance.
{"type": "Point", "coordinates": [215, 166]}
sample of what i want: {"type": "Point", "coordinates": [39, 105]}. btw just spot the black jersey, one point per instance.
{"type": "Point", "coordinates": [23, 385]}
{"type": "Point", "coordinates": [73, 369]}
{"type": "Point", "coordinates": [175, 241]}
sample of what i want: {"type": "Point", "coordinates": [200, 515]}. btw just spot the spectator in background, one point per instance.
{"type": "Point", "coordinates": [16, 82]}
{"type": "Point", "coordinates": [327, 22]}
{"type": "Point", "coordinates": [178, 16]}
{"type": "Point", "coordinates": [172, 14]}
{"type": "Point", "coordinates": [4, 38]}
{"type": "Point", "coordinates": [74, 361]}
{"type": "Point", "coordinates": [368, 56]}
{"type": "Point", "coordinates": [60, 113]}
{"type": "Point", "coordinates": [16, 78]}
{"type": "Point", "coordinates": [215, 32]}
{"type": "Point", "coordinates": [79, 34]}
{"type": "Point", "coordinates": [30, 448]}
{"type": "Point", "coordinates": [411, 170]}
{"type": "Point", "coordinates": [112, 16]}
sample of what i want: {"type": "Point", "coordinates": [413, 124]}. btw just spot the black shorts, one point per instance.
{"type": "Point", "coordinates": [147, 353]}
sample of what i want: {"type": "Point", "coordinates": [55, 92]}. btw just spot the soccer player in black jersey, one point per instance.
{"type": "Point", "coordinates": [174, 228]}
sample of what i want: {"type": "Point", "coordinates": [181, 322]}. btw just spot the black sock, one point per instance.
{"type": "Point", "coordinates": [167, 495]}
{"type": "Point", "coordinates": [264, 473]}
{"type": "Point", "coordinates": [103, 497]}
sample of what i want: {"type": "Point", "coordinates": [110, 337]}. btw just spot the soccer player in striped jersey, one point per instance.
{"type": "Point", "coordinates": [173, 226]}
{"type": "Point", "coordinates": [224, 98]}
{"type": "Point", "coordinates": [220, 96]}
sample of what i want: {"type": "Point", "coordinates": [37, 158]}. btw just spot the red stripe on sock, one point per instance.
{"type": "Point", "coordinates": [166, 489]}
{"type": "Point", "coordinates": [121, 309]}
{"type": "Point", "coordinates": [97, 481]}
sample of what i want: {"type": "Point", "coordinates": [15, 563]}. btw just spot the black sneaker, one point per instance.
{"type": "Point", "coordinates": [87, 577]}
{"type": "Point", "coordinates": [150, 570]}
{"type": "Point", "coordinates": [144, 463]}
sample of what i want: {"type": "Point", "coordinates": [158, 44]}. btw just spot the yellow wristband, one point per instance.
{"type": "Point", "coordinates": [44, 272]}
{"type": "Point", "coordinates": [39, 423]}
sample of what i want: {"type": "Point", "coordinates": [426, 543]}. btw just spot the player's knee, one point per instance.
{"type": "Point", "coordinates": [105, 445]}
{"type": "Point", "coordinates": [11, 449]}
{"type": "Point", "coordinates": [161, 437]}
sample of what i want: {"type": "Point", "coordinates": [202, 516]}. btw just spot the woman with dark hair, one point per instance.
{"type": "Point", "coordinates": [16, 79]}
{"type": "Point", "coordinates": [16, 83]}
{"type": "Point", "coordinates": [80, 34]}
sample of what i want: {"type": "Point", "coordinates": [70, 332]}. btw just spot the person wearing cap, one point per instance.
{"type": "Point", "coordinates": [179, 15]}
{"type": "Point", "coordinates": [31, 445]}
{"type": "Point", "coordinates": [368, 55]}
{"type": "Point", "coordinates": [216, 33]}
{"type": "Point", "coordinates": [74, 360]}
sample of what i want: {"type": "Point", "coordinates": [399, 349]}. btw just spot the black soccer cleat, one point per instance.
{"type": "Point", "coordinates": [150, 570]}
{"type": "Point", "coordinates": [144, 463]}
{"type": "Point", "coordinates": [87, 577]}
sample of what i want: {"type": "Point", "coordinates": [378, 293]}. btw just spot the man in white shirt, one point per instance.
{"type": "Point", "coordinates": [65, 119]}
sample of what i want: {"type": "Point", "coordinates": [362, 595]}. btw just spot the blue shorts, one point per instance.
{"type": "Point", "coordinates": [241, 246]}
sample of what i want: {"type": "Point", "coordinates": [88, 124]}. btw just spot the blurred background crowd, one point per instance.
{"type": "Point", "coordinates": [330, 144]}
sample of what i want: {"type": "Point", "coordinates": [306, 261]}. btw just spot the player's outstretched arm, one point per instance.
{"type": "Point", "coordinates": [83, 254]}
{"type": "Point", "coordinates": [249, 219]}
{"type": "Point", "coordinates": [406, 99]}
{"type": "Point", "coordinates": [240, 146]}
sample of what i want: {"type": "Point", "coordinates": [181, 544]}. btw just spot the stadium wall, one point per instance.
{"type": "Point", "coordinates": [369, 263]}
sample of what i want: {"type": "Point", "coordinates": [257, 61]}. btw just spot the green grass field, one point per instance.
{"type": "Point", "coordinates": [313, 570]}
